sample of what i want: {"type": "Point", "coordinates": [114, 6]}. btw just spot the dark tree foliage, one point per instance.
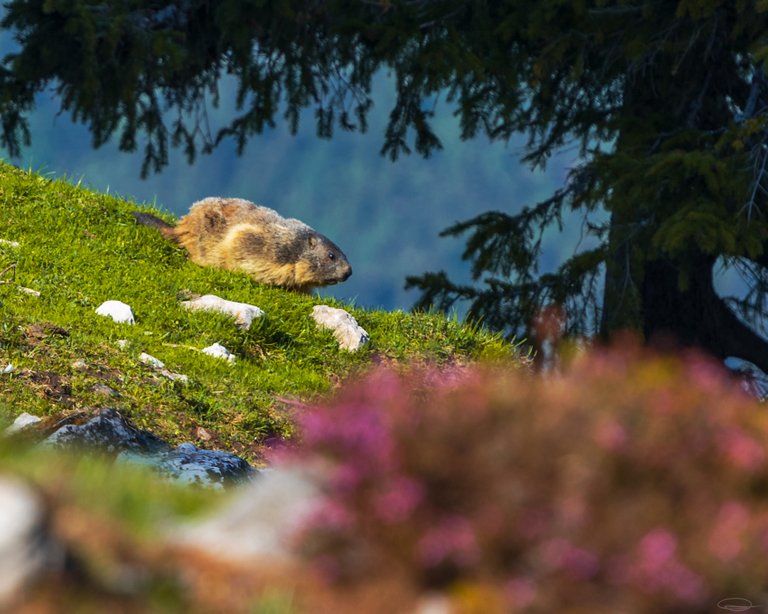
{"type": "Point", "coordinates": [667, 101]}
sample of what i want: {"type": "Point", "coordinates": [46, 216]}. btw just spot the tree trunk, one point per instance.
{"type": "Point", "coordinates": [686, 311]}
{"type": "Point", "coordinates": [621, 300]}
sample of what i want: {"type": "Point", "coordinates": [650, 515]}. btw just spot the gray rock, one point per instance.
{"type": "Point", "coordinates": [175, 377]}
{"type": "Point", "coordinates": [189, 465]}
{"type": "Point", "coordinates": [158, 364]}
{"type": "Point", "coordinates": [108, 432]}
{"type": "Point", "coordinates": [26, 549]}
{"type": "Point", "coordinates": [259, 521]}
{"type": "Point", "coordinates": [147, 359]}
{"type": "Point", "coordinates": [349, 334]}
{"type": "Point", "coordinates": [111, 433]}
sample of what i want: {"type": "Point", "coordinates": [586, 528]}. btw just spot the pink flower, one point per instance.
{"type": "Point", "coordinates": [398, 500]}
{"type": "Point", "coordinates": [657, 569]}
{"type": "Point", "coordinates": [559, 553]}
{"type": "Point", "coordinates": [740, 449]}
{"type": "Point", "coordinates": [656, 549]}
{"type": "Point", "coordinates": [452, 540]}
{"type": "Point", "coordinates": [726, 538]}
{"type": "Point", "coordinates": [520, 592]}
{"type": "Point", "coordinates": [706, 374]}
{"type": "Point", "coordinates": [329, 516]}
{"type": "Point", "coordinates": [610, 435]}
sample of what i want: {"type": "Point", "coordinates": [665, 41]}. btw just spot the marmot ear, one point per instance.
{"type": "Point", "coordinates": [311, 240]}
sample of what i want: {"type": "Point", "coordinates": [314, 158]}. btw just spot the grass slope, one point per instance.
{"type": "Point", "coordinates": [78, 248]}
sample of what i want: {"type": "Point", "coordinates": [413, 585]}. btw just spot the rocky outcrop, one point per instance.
{"type": "Point", "coordinates": [112, 435]}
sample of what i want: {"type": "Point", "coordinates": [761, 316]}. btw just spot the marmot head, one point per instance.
{"type": "Point", "coordinates": [326, 263]}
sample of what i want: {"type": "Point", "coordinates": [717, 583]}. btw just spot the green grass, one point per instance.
{"type": "Point", "coordinates": [79, 248]}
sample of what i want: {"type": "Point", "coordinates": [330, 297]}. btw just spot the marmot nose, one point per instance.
{"type": "Point", "coordinates": [347, 273]}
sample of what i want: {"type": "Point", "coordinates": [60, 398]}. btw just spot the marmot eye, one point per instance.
{"type": "Point", "coordinates": [331, 256]}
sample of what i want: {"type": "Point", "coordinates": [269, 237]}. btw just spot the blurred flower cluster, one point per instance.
{"type": "Point", "coordinates": [629, 482]}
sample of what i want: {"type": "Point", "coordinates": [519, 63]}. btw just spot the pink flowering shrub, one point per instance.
{"type": "Point", "coordinates": [629, 483]}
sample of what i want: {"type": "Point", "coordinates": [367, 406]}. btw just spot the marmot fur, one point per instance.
{"type": "Point", "coordinates": [235, 234]}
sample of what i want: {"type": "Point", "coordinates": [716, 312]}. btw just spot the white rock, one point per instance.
{"type": "Point", "coordinates": [117, 310]}
{"type": "Point", "coordinates": [9, 243]}
{"type": "Point", "coordinates": [345, 328]}
{"type": "Point", "coordinates": [9, 368]}
{"type": "Point", "coordinates": [259, 521]}
{"type": "Point", "coordinates": [23, 420]}
{"type": "Point", "coordinates": [122, 343]}
{"type": "Point", "coordinates": [25, 546]}
{"type": "Point", "coordinates": [29, 291]}
{"type": "Point", "coordinates": [176, 377]}
{"type": "Point", "coordinates": [158, 364]}
{"type": "Point", "coordinates": [243, 313]}
{"type": "Point", "coordinates": [219, 351]}
{"type": "Point", "coordinates": [79, 365]}
{"type": "Point", "coordinates": [151, 361]}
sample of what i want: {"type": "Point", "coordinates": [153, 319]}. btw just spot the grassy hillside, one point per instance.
{"type": "Point", "coordinates": [78, 248]}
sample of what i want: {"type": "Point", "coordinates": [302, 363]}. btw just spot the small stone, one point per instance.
{"type": "Point", "coordinates": [243, 313]}
{"type": "Point", "coordinates": [219, 351]}
{"type": "Point", "coordinates": [122, 343]}
{"type": "Point", "coordinates": [29, 291]}
{"type": "Point", "coordinates": [203, 434]}
{"type": "Point", "coordinates": [151, 361]}
{"type": "Point", "coordinates": [175, 377]}
{"type": "Point", "coordinates": [105, 391]}
{"type": "Point", "coordinates": [9, 368]}
{"type": "Point", "coordinates": [79, 365]}
{"type": "Point", "coordinates": [9, 243]}
{"type": "Point", "coordinates": [23, 421]}
{"type": "Point", "coordinates": [346, 330]}
{"type": "Point", "coordinates": [117, 310]}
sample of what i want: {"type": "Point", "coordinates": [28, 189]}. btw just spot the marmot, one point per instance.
{"type": "Point", "coordinates": [235, 234]}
